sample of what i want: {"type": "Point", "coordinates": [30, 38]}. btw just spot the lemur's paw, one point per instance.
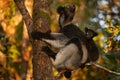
{"type": "Point", "coordinates": [67, 74]}
{"type": "Point", "coordinates": [39, 35]}
{"type": "Point", "coordinates": [36, 35]}
{"type": "Point", "coordinates": [47, 50]}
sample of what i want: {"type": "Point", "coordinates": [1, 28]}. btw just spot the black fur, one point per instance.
{"type": "Point", "coordinates": [49, 52]}
{"type": "Point", "coordinates": [92, 48]}
{"type": "Point", "coordinates": [90, 33]}
{"type": "Point", "coordinates": [67, 74]}
{"type": "Point", "coordinates": [37, 35]}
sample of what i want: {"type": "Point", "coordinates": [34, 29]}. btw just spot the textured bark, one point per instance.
{"type": "Point", "coordinates": [42, 67]}
{"type": "Point", "coordinates": [41, 63]}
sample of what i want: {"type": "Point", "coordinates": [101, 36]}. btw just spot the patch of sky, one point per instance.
{"type": "Point", "coordinates": [103, 24]}
{"type": "Point", "coordinates": [115, 9]}
{"type": "Point", "coordinates": [102, 2]}
{"type": "Point", "coordinates": [94, 19]}
{"type": "Point", "coordinates": [117, 37]}
{"type": "Point", "coordinates": [101, 16]}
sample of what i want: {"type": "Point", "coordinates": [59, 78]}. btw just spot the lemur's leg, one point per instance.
{"type": "Point", "coordinates": [52, 54]}
{"type": "Point", "coordinates": [67, 74]}
{"type": "Point", "coordinates": [75, 57]}
{"type": "Point", "coordinates": [56, 40]}
{"type": "Point", "coordinates": [59, 40]}
{"type": "Point", "coordinates": [67, 57]}
{"type": "Point", "coordinates": [64, 55]}
{"type": "Point", "coordinates": [49, 52]}
{"type": "Point", "coordinates": [70, 49]}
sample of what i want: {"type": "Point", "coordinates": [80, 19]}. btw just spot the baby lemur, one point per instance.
{"type": "Point", "coordinates": [75, 47]}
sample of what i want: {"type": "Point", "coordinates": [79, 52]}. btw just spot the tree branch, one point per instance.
{"type": "Point", "coordinates": [25, 14]}
{"type": "Point", "coordinates": [104, 68]}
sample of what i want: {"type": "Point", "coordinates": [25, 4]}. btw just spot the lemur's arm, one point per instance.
{"type": "Point", "coordinates": [57, 40]}
{"type": "Point", "coordinates": [39, 35]}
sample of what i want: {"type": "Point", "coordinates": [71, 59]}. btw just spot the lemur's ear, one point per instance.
{"type": "Point", "coordinates": [60, 10]}
{"type": "Point", "coordinates": [90, 33]}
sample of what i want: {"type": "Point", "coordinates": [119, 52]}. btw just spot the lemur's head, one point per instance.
{"type": "Point", "coordinates": [90, 33]}
{"type": "Point", "coordinates": [66, 14]}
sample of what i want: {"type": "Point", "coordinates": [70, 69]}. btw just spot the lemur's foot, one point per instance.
{"type": "Point", "coordinates": [67, 74]}
{"type": "Point", "coordinates": [49, 52]}
{"type": "Point", "coordinates": [46, 49]}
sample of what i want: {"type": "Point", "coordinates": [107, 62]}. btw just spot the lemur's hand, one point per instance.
{"type": "Point", "coordinates": [37, 35]}
{"type": "Point", "coordinates": [47, 50]}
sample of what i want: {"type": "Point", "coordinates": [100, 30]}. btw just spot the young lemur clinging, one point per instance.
{"type": "Point", "coordinates": [74, 46]}
{"type": "Point", "coordinates": [91, 46]}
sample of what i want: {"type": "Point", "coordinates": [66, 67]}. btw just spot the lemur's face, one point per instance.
{"type": "Point", "coordinates": [66, 13]}
{"type": "Point", "coordinates": [90, 33]}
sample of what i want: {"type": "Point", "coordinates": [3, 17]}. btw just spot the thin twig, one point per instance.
{"type": "Point", "coordinates": [25, 14]}
{"type": "Point", "coordinates": [104, 68]}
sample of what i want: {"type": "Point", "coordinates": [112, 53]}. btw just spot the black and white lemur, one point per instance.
{"type": "Point", "coordinates": [76, 48]}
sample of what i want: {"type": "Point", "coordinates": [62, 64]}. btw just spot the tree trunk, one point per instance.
{"type": "Point", "coordinates": [41, 63]}
{"type": "Point", "coordinates": [42, 67]}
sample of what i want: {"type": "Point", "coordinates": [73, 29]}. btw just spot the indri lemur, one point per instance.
{"type": "Point", "coordinates": [91, 46]}
{"type": "Point", "coordinates": [75, 45]}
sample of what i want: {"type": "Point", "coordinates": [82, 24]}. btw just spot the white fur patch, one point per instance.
{"type": "Point", "coordinates": [67, 57]}
{"type": "Point", "coordinates": [59, 42]}
{"type": "Point", "coordinates": [62, 19]}
{"type": "Point", "coordinates": [85, 53]}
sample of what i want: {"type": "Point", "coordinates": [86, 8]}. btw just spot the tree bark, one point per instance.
{"type": "Point", "coordinates": [42, 67]}
{"type": "Point", "coordinates": [41, 63]}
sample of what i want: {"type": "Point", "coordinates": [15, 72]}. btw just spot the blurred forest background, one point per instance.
{"type": "Point", "coordinates": [103, 16]}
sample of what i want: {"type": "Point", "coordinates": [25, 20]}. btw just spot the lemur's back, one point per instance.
{"type": "Point", "coordinates": [72, 31]}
